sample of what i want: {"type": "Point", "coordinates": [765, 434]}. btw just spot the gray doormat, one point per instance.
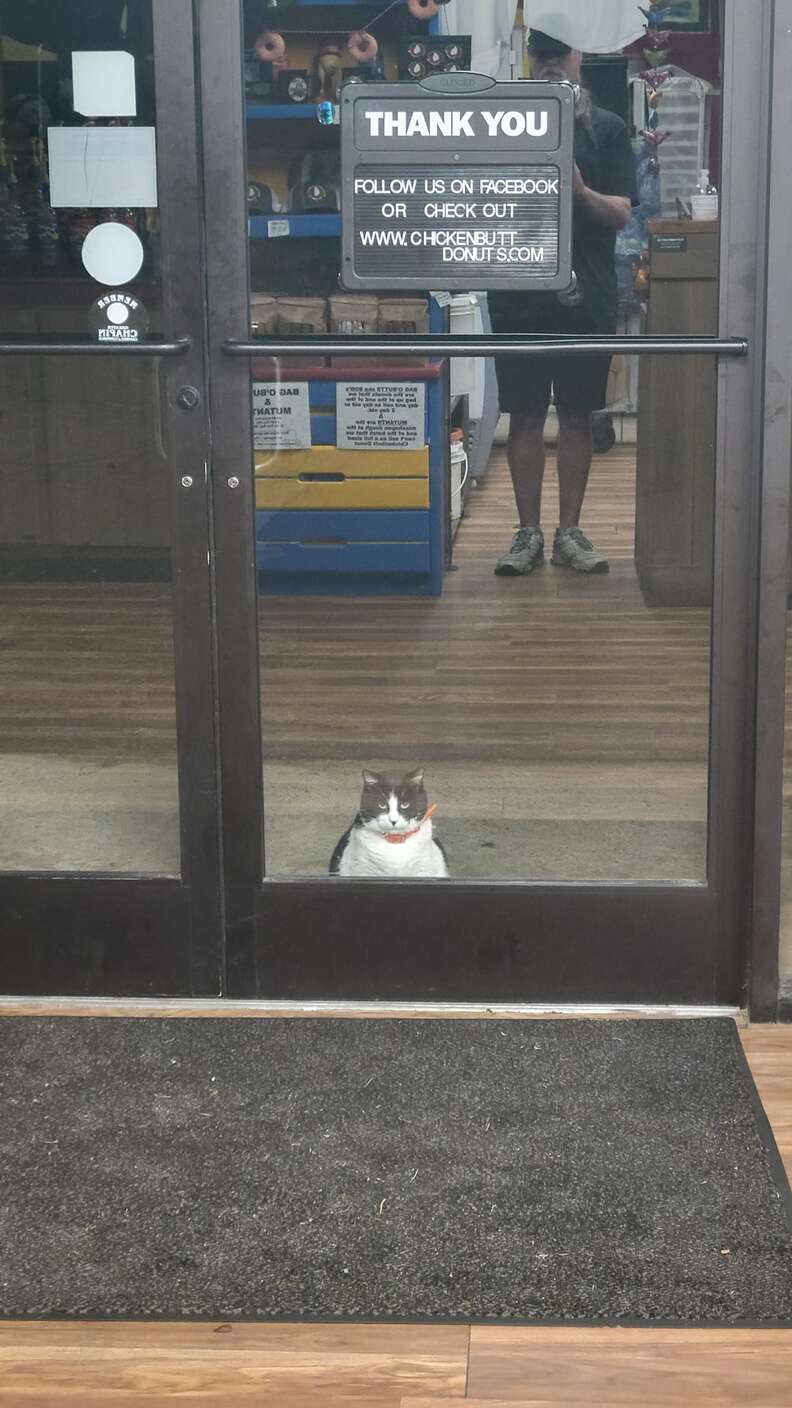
{"type": "Point", "coordinates": [452, 1170]}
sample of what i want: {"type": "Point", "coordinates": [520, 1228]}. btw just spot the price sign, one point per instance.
{"type": "Point", "coordinates": [456, 183]}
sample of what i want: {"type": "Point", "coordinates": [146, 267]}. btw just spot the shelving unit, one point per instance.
{"type": "Point", "coordinates": [347, 522]}
{"type": "Point", "coordinates": [296, 227]}
{"type": "Point", "coordinates": [356, 522]}
{"type": "Point", "coordinates": [282, 112]}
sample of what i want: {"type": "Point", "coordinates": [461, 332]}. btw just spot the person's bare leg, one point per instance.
{"type": "Point", "coordinates": [574, 463]}
{"type": "Point", "coordinates": [526, 452]}
{"type": "Point", "coordinates": [570, 547]}
{"type": "Point", "coordinates": [526, 455]}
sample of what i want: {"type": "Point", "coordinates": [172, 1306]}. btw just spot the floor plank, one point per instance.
{"type": "Point", "coordinates": [648, 1399]}
{"type": "Point", "coordinates": [298, 1366]}
{"type": "Point", "coordinates": [623, 1367]}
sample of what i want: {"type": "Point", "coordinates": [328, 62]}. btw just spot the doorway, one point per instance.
{"type": "Point", "coordinates": [215, 629]}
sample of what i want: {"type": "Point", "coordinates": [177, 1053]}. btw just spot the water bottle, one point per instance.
{"type": "Point", "coordinates": [704, 201]}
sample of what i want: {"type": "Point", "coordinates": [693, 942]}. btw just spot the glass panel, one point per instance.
{"type": "Point", "coordinates": [88, 775]}
{"type": "Point", "coordinates": [559, 717]}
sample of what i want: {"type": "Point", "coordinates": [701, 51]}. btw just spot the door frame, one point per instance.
{"type": "Point", "coordinates": [108, 934]}
{"type": "Point", "coordinates": [469, 940]}
{"type": "Point", "coordinates": [770, 993]}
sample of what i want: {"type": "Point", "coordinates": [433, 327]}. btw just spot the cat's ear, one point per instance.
{"type": "Point", "coordinates": [413, 779]}
{"type": "Point", "coordinates": [371, 779]}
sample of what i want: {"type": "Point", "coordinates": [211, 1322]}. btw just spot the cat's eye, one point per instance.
{"type": "Point", "coordinates": [383, 806]}
{"type": "Point", "coordinates": [404, 806]}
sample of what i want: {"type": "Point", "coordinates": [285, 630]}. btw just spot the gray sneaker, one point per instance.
{"type": "Point", "coordinates": [525, 553]}
{"type": "Point", "coordinates": [571, 548]}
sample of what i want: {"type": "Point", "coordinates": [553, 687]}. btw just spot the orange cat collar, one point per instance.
{"type": "Point", "coordinates": [399, 839]}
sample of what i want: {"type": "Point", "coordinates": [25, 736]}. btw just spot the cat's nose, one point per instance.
{"type": "Point", "coordinates": [394, 821]}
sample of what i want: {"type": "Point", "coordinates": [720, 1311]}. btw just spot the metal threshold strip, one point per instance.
{"type": "Point", "coordinates": [274, 1007]}
{"type": "Point", "coordinates": [80, 347]}
{"type": "Point", "coordinates": [497, 346]}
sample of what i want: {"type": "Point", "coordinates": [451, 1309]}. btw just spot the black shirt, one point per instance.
{"type": "Point", "coordinates": [607, 164]}
{"type": "Point", "coordinates": [605, 158]}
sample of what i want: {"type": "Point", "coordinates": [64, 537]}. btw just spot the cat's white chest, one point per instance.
{"type": "Point", "coordinates": [371, 854]}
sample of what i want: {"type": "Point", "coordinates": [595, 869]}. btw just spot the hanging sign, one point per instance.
{"type": "Point", "coordinates": [281, 415]}
{"type": "Point", "coordinates": [457, 182]}
{"type": "Point", "coordinates": [119, 317]}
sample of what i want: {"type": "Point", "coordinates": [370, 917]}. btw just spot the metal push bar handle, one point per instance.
{"type": "Point", "coordinates": [498, 346]}
{"type": "Point", "coordinates": [75, 347]}
{"type": "Point", "coordinates": [393, 347]}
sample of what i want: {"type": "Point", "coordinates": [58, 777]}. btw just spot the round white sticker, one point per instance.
{"type": "Point", "coordinates": [112, 253]}
{"type": "Point", "coordinates": [117, 313]}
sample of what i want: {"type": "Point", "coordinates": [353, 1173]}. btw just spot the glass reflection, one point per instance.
{"type": "Point", "coordinates": [558, 719]}
{"type": "Point", "coordinates": [87, 726]}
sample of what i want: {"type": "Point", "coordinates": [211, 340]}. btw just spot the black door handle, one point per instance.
{"type": "Point", "coordinates": [487, 346]}
{"type": "Point", "coordinates": [81, 347]}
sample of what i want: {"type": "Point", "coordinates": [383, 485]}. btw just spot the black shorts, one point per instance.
{"type": "Point", "coordinates": [576, 384]}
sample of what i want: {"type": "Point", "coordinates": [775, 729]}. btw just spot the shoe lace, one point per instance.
{"type": "Point", "coordinates": [578, 536]}
{"type": "Point", "coordinates": [525, 538]}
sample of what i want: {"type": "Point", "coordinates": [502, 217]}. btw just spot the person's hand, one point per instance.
{"type": "Point", "coordinates": [578, 184]}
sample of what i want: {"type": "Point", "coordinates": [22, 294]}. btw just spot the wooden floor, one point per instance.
{"type": "Point", "coordinates": [237, 1366]}
{"type": "Point", "coordinates": [516, 695]}
{"type": "Point", "coordinates": [557, 667]}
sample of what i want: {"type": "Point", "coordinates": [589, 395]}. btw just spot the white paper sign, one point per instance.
{"type": "Point", "coordinates": [102, 166]}
{"type": "Point", "coordinates": [376, 415]}
{"type": "Point", "coordinates": [281, 415]}
{"type": "Point", "coordinates": [104, 83]}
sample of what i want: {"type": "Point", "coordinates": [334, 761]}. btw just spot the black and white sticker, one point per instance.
{"type": "Point", "coordinates": [119, 317]}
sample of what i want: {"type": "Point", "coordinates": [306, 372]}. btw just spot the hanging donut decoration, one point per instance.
{"type": "Point", "coordinates": [270, 47]}
{"type": "Point", "coordinates": [425, 9]}
{"type": "Point", "coordinates": [362, 47]}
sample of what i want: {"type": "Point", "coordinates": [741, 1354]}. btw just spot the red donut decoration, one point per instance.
{"type": "Point", "coordinates": [271, 48]}
{"type": "Point", "coordinates": [363, 47]}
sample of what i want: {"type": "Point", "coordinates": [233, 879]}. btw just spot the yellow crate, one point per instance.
{"type": "Point", "coordinates": [346, 493]}
{"type": "Point", "coordinates": [353, 464]}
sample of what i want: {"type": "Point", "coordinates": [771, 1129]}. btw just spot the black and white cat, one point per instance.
{"type": "Point", "coordinates": [391, 836]}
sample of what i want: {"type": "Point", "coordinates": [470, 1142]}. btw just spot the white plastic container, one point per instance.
{"type": "Point", "coordinates": [704, 201]}
{"type": "Point", "coordinates": [459, 474]}
{"type": "Point", "coordinates": [462, 313]}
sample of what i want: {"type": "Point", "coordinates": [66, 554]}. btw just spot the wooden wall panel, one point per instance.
{"type": "Point", "coordinates": [84, 462]}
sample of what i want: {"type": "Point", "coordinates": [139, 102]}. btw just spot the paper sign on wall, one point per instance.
{"type": "Point", "coordinates": [381, 415]}
{"type": "Point", "coordinates": [281, 415]}
{"type": "Point", "coordinates": [104, 83]}
{"type": "Point", "coordinates": [102, 166]}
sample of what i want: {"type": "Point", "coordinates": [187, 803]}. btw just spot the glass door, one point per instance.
{"type": "Point", "coordinates": [402, 659]}
{"type": "Point", "coordinates": [395, 655]}
{"type": "Point", "coordinates": [389, 642]}
{"type": "Point", "coordinates": [108, 828]}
